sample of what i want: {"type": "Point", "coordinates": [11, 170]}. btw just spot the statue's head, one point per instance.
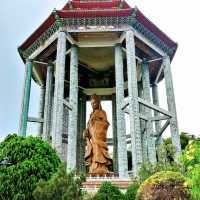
{"type": "Point", "coordinates": [95, 102]}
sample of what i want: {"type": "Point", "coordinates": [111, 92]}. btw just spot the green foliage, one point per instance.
{"type": "Point", "coordinates": [63, 185]}
{"type": "Point", "coordinates": [132, 191]}
{"type": "Point", "coordinates": [191, 155]}
{"type": "Point", "coordinates": [166, 151]}
{"type": "Point", "coordinates": [107, 191]}
{"type": "Point", "coordinates": [24, 161]}
{"type": "Point", "coordinates": [164, 185]}
{"type": "Point", "coordinates": [191, 160]}
{"type": "Point", "coordinates": [194, 181]}
{"type": "Point", "coordinates": [148, 169]}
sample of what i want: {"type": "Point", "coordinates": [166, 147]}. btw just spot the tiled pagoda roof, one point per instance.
{"type": "Point", "coordinates": [86, 9]}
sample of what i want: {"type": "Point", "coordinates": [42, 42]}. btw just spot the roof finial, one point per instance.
{"type": "Point", "coordinates": [57, 18]}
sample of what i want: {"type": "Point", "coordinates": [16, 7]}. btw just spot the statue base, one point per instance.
{"type": "Point", "coordinates": [94, 181]}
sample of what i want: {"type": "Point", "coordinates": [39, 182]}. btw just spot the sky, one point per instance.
{"type": "Point", "coordinates": [178, 19]}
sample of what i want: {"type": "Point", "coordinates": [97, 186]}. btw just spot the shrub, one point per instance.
{"type": "Point", "coordinates": [191, 160]}
{"type": "Point", "coordinates": [132, 191]}
{"type": "Point", "coordinates": [24, 161]}
{"type": "Point", "coordinates": [191, 155]}
{"type": "Point", "coordinates": [107, 191]}
{"type": "Point", "coordinates": [166, 151]}
{"type": "Point", "coordinates": [147, 169]}
{"type": "Point", "coordinates": [194, 180]}
{"type": "Point", "coordinates": [164, 185]}
{"type": "Point", "coordinates": [63, 185]}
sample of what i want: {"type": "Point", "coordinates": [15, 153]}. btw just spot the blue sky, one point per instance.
{"type": "Point", "coordinates": [19, 18]}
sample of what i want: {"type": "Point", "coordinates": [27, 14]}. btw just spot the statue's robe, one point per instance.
{"type": "Point", "coordinates": [96, 150]}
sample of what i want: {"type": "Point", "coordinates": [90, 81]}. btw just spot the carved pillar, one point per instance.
{"type": "Point", "coordinates": [25, 99]}
{"type": "Point", "coordinates": [65, 132]}
{"type": "Point", "coordinates": [81, 127]}
{"type": "Point", "coordinates": [156, 114]}
{"type": "Point", "coordinates": [73, 114]}
{"type": "Point", "coordinates": [147, 96]}
{"type": "Point", "coordinates": [133, 103]}
{"type": "Point", "coordinates": [171, 105]}
{"type": "Point", "coordinates": [41, 109]}
{"type": "Point", "coordinates": [114, 127]}
{"type": "Point", "coordinates": [48, 104]}
{"type": "Point", "coordinates": [57, 129]}
{"type": "Point", "coordinates": [121, 126]}
{"type": "Point", "coordinates": [143, 125]}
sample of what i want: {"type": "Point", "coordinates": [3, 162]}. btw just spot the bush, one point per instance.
{"type": "Point", "coordinates": [23, 162]}
{"type": "Point", "coordinates": [107, 191]}
{"type": "Point", "coordinates": [148, 169]}
{"type": "Point", "coordinates": [166, 151]}
{"type": "Point", "coordinates": [63, 185]}
{"type": "Point", "coordinates": [191, 160]}
{"type": "Point", "coordinates": [132, 191]}
{"type": "Point", "coordinates": [164, 185]}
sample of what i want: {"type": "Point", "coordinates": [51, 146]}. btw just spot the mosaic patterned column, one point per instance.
{"type": "Point", "coordinates": [41, 109]}
{"type": "Point", "coordinates": [143, 125]}
{"type": "Point", "coordinates": [25, 99]}
{"type": "Point", "coordinates": [171, 105]}
{"type": "Point", "coordinates": [147, 96]}
{"type": "Point", "coordinates": [133, 103]}
{"type": "Point", "coordinates": [48, 104]}
{"type": "Point", "coordinates": [156, 114]}
{"type": "Point", "coordinates": [57, 129]}
{"type": "Point", "coordinates": [114, 127]}
{"type": "Point", "coordinates": [73, 114]}
{"type": "Point", "coordinates": [121, 126]}
{"type": "Point", "coordinates": [81, 127]}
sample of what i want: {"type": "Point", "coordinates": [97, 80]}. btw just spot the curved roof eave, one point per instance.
{"type": "Point", "coordinates": [140, 17]}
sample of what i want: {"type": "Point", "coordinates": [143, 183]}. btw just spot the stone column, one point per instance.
{"type": "Point", "coordinates": [147, 96]}
{"type": "Point", "coordinates": [143, 125]}
{"type": "Point", "coordinates": [114, 127]}
{"type": "Point", "coordinates": [121, 126]}
{"type": "Point", "coordinates": [73, 114]}
{"type": "Point", "coordinates": [155, 96]}
{"type": "Point", "coordinates": [25, 99]}
{"type": "Point", "coordinates": [41, 109]}
{"type": "Point", "coordinates": [57, 129]}
{"type": "Point", "coordinates": [48, 104]}
{"type": "Point", "coordinates": [171, 105]}
{"type": "Point", "coordinates": [65, 131]}
{"type": "Point", "coordinates": [81, 127]}
{"type": "Point", "coordinates": [133, 103]}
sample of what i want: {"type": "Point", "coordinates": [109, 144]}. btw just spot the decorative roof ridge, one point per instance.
{"type": "Point", "coordinates": [96, 10]}
{"type": "Point", "coordinates": [49, 20]}
{"type": "Point", "coordinates": [92, 3]}
{"type": "Point", "coordinates": [152, 27]}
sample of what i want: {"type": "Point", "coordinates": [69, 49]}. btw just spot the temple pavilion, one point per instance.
{"type": "Point", "coordinates": [107, 48]}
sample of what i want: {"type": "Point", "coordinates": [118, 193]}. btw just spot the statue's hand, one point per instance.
{"type": "Point", "coordinates": [86, 133]}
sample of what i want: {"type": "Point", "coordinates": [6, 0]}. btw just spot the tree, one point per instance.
{"type": "Point", "coordinates": [23, 162]}
{"type": "Point", "coordinates": [63, 185]}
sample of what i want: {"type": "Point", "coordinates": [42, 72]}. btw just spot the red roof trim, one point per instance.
{"type": "Point", "coordinates": [86, 5]}
{"type": "Point", "coordinates": [95, 13]}
{"type": "Point", "coordinates": [153, 28]}
{"type": "Point", "coordinates": [45, 25]}
{"type": "Point", "coordinates": [95, 4]}
{"type": "Point", "coordinates": [99, 13]}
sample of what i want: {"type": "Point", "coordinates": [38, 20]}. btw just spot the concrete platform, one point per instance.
{"type": "Point", "coordinates": [92, 184]}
